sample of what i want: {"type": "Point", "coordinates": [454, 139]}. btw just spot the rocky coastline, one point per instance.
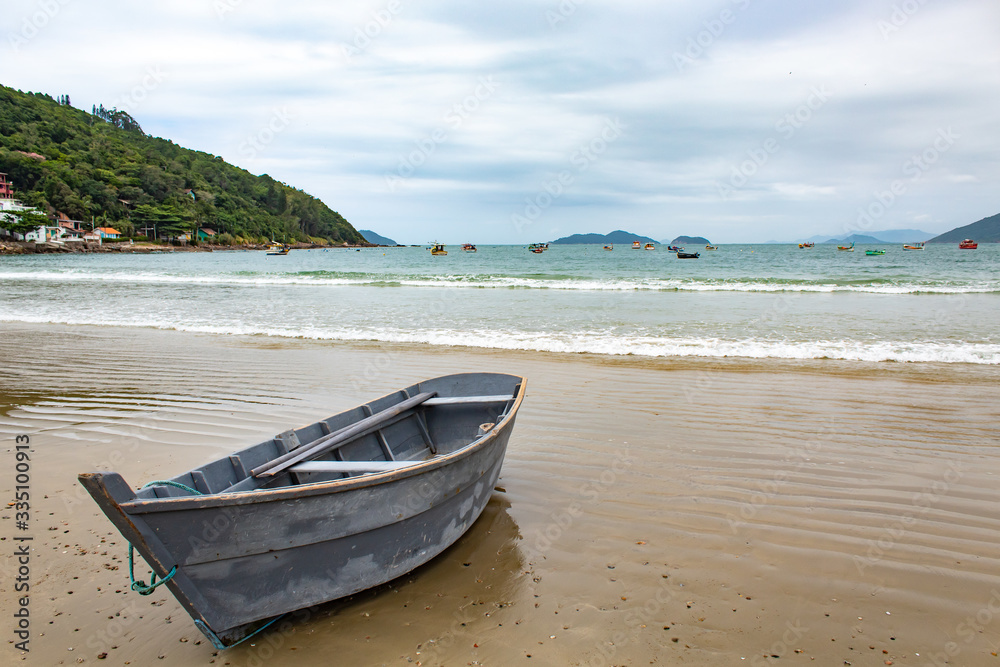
{"type": "Point", "coordinates": [31, 247]}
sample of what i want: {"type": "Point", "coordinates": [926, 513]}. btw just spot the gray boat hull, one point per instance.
{"type": "Point", "coordinates": [243, 558]}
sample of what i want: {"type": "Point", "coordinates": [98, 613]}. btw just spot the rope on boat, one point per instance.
{"type": "Point", "coordinates": [140, 586]}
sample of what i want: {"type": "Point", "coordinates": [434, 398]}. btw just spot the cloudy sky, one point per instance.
{"type": "Point", "coordinates": [527, 120]}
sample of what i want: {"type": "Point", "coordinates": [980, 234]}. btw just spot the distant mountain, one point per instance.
{"type": "Point", "coordinates": [986, 230]}
{"type": "Point", "coordinates": [617, 236]}
{"type": "Point", "coordinates": [883, 236]}
{"type": "Point", "coordinates": [856, 238]}
{"type": "Point", "coordinates": [377, 239]}
{"type": "Point", "coordinates": [689, 240]}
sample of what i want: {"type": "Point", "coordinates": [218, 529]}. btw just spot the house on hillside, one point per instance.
{"type": "Point", "coordinates": [108, 233]}
{"type": "Point", "coordinates": [9, 204]}
{"type": "Point", "coordinates": [206, 235]}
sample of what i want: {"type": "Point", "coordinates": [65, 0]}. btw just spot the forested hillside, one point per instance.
{"type": "Point", "coordinates": [101, 166]}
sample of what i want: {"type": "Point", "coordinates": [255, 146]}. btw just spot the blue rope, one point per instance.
{"type": "Point", "coordinates": [140, 586]}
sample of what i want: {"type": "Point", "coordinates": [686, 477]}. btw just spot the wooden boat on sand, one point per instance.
{"type": "Point", "coordinates": [320, 512]}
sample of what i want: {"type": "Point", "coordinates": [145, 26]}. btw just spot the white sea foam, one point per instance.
{"type": "Point", "coordinates": [577, 342]}
{"type": "Point", "coordinates": [509, 282]}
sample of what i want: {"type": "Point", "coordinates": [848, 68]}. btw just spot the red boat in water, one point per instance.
{"type": "Point", "coordinates": [968, 244]}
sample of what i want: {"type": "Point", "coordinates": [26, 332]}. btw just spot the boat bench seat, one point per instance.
{"type": "Point", "coordinates": [459, 400]}
{"type": "Point", "coordinates": [351, 466]}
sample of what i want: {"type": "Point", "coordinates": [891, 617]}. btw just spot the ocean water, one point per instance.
{"type": "Point", "coordinates": [939, 305]}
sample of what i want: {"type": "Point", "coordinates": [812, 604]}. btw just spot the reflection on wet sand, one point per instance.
{"type": "Point", "coordinates": [653, 512]}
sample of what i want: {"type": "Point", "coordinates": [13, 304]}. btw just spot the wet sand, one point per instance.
{"type": "Point", "coordinates": [652, 512]}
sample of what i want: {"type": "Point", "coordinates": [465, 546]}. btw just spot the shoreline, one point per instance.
{"type": "Point", "coordinates": [925, 371]}
{"type": "Point", "coordinates": [31, 247]}
{"type": "Point", "coordinates": [671, 512]}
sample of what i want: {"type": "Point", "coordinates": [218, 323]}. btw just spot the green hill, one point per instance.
{"type": "Point", "coordinates": [986, 230]}
{"type": "Point", "coordinates": [101, 166]}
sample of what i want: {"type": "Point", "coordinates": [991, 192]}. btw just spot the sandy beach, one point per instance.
{"type": "Point", "coordinates": [651, 511]}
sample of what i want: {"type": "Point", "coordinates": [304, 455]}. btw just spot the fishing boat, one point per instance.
{"type": "Point", "coordinates": [438, 249]}
{"type": "Point", "coordinates": [711, 247]}
{"type": "Point", "coordinates": [688, 255]}
{"type": "Point", "coordinates": [277, 249]}
{"type": "Point", "coordinates": [878, 251]}
{"type": "Point", "coordinates": [650, 246]}
{"type": "Point", "coordinates": [636, 245]}
{"type": "Point", "coordinates": [468, 247]}
{"type": "Point", "coordinates": [848, 248]}
{"type": "Point", "coordinates": [320, 512]}
{"type": "Point", "coordinates": [610, 246]}
{"type": "Point", "coordinates": [968, 244]}
{"type": "Point", "coordinates": [807, 244]}
{"type": "Point", "coordinates": [538, 247]}
{"type": "Point", "coordinates": [675, 248]}
{"type": "Point", "coordinates": [913, 246]}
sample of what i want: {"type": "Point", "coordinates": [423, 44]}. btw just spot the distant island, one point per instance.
{"type": "Point", "coordinates": [84, 170]}
{"type": "Point", "coordinates": [618, 236]}
{"type": "Point", "coordinates": [690, 240]}
{"type": "Point", "coordinates": [377, 239]}
{"type": "Point", "coordinates": [856, 238]}
{"type": "Point", "coordinates": [986, 230]}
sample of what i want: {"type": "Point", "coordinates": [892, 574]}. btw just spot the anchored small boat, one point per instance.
{"type": "Point", "coordinates": [636, 245]}
{"type": "Point", "coordinates": [968, 244]}
{"type": "Point", "coordinates": [711, 247]}
{"type": "Point", "coordinates": [650, 246]}
{"type": "Point", "coordinates": [688, 255]}
{"type": "Point", "coordinates": [468, 247]}
{"type": "Point", "coordinates": [807, 244]}
{"type": "Point", "coordinates": [538, 247]}
{"type": "Point", "coordinates": [913, 246]}
{"type": "Point", "coordinates": [320, 512]}
{"type": "Point", "coordinates": [610, 246]}
{"type": "Point", "coordinates": [877, 251]}
{"type": "Point", "coordinates": [848, 248]}
{"type": "Point", "coordinates": [438, 249]}
{"type": "Point", "coordinates": [278, 249]}
{"type": "Point", "coordinates": [675, 248]}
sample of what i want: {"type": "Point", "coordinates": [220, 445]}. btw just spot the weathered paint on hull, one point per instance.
{"type": "Point", "coordinates": [245, 558]}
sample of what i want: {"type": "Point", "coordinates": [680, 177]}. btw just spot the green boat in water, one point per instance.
{"type": "Point", "coordinates": [875, 252]}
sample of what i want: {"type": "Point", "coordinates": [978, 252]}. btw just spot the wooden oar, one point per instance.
{"type": "Point", "coordinates": [274, 466]}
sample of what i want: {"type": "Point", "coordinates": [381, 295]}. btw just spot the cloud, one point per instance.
{"type": "Point", "coordinates": [387, 87]}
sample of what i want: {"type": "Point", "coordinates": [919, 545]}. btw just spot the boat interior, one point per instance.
{"type": "Point", "coordinates": [403, 429]}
